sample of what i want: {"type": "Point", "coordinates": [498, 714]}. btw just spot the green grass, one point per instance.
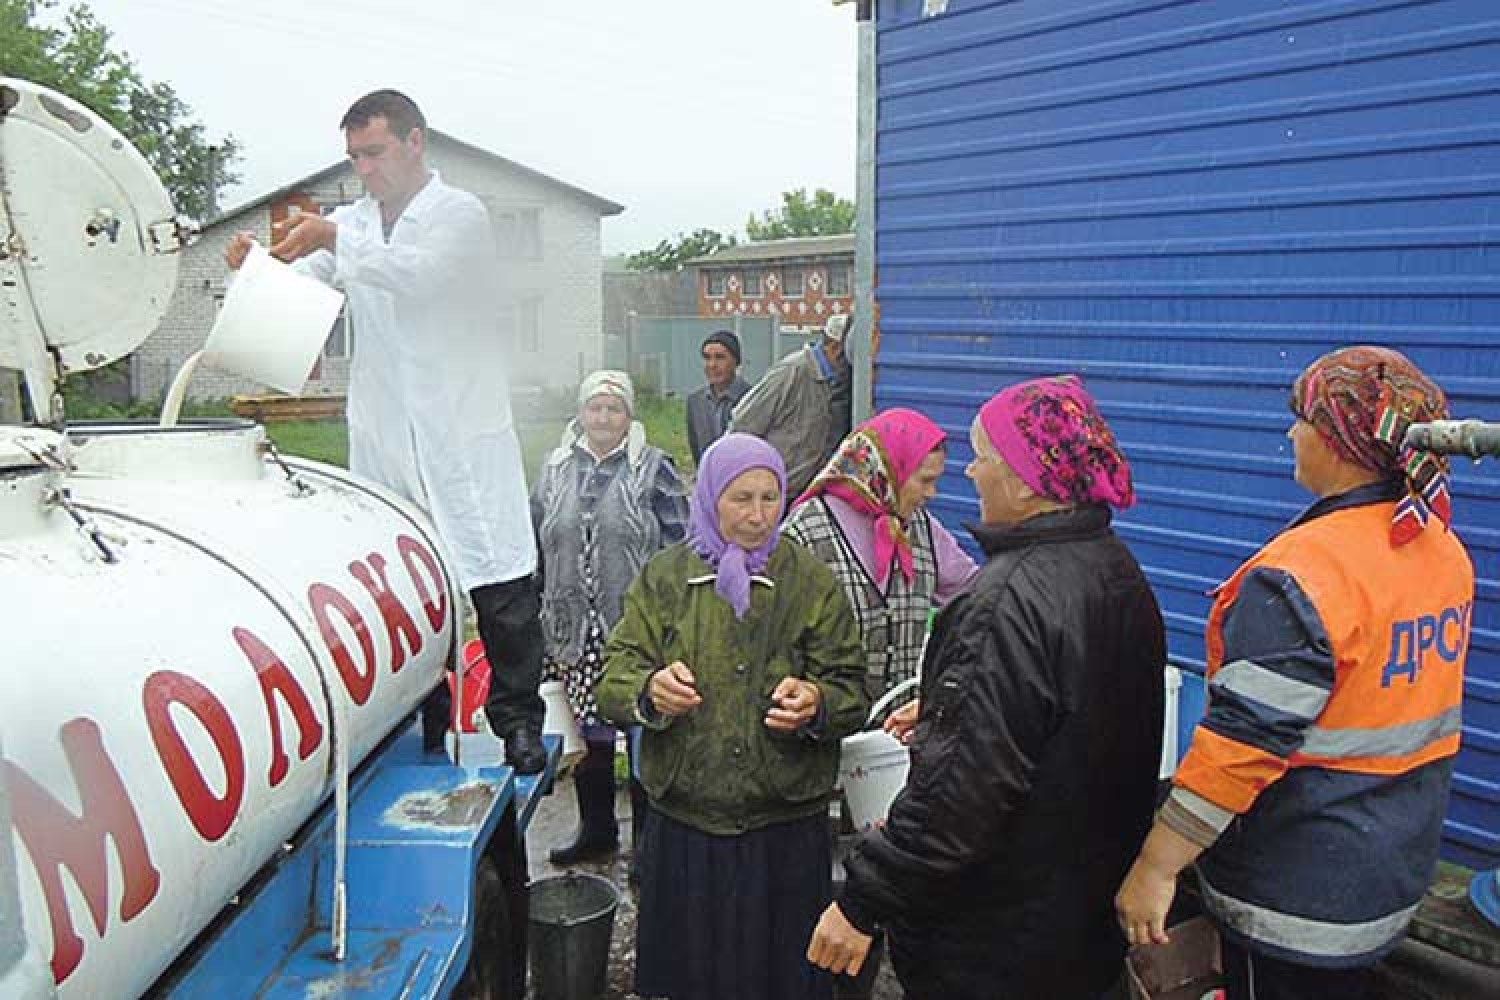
{"type": "Point", "coordinates": [328, 440]}
{"type": "Point", "coordinates": [320, 440]}
{"type": "Point", "coordinates": [666, 427]}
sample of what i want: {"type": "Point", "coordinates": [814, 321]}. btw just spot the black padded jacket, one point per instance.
{"type": "Point", "coordinates": [1033, 775]}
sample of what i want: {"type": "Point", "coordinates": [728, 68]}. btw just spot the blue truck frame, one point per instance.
{"type": "Point", "coordinates": [436, 876]}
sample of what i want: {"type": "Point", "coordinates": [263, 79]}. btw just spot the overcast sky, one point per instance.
{"type": "Point", "coordinates": [688, 112]}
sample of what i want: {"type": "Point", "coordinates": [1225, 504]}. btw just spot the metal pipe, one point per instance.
{"type": "Point", "coordinates": [1473, 438]}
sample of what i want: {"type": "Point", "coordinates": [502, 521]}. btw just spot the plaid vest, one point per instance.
{"type": "Point", "coordinates": [894, 624]}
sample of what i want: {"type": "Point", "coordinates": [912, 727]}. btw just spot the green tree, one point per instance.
{"type": "Point", "coordinates": [669, 254]}
{"type": "Point", "coordinates": [823, 214]}
{"type": "Point", "coordinates": [79, 60]}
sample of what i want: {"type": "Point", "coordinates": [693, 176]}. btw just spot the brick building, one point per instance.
{"type": "Point", "coordinates": [547, 232]}
{"type": "Point", "coordinates": [801, 282]}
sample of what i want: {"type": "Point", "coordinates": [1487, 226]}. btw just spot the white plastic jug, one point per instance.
{"type": "Point", "coordinates": [560, 719]}
{"type": "Point", "coordinates": [273, 323]}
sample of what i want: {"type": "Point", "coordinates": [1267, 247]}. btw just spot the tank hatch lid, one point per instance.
{"type": "Point", "coordinates": [88, 239]}
{"type": "Point", "coordinates": [28, 448]}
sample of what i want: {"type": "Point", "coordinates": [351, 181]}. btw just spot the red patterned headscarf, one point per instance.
{"type": "Point", "coordinates": [1362, 400]}
{"type": "Point", "coordinates": [868, 471]}
{"type": "Point", "coordinates": [1050, 432]}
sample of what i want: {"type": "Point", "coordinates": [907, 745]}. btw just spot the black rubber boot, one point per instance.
{"type": "Point", "coordinates": [594, 785]}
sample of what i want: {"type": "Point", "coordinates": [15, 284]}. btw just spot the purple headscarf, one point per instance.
{"type": "Point", "coordinates": [725, 461]}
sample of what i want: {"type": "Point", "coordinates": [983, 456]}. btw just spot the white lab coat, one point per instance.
{"type": "Point", "coordinates": [429, 400]}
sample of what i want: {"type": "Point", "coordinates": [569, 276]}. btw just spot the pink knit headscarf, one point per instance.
{"type": "Point", "coordinates": [1050, 432]}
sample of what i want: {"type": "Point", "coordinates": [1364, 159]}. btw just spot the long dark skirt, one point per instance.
{"type": "Point", "coordinates": [729, 918]}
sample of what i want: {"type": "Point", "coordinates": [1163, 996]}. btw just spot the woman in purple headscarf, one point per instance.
{"type": "Point", "coordinates": [1035, 754]}
{"type": "Point", "coordinates": [738, 653]}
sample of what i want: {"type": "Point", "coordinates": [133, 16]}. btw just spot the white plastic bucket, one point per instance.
{"type": "Point", "coordinates": [273, 323]}
{"type": "Point", "coordinates": [873, 766]}
{"type": "Point", "coordinates": [872, 769]}
{"type": "Point", "coordinates": [560, 718]}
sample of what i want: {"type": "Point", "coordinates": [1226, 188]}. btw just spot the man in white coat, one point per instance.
{"type": "Point", "coordinates": [429, 398]}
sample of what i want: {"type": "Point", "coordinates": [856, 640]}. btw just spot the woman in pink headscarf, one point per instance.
{"type": "Point", "coordinates": [863, 516]}
{"type": "Point", "coordinates": [1034, 759]}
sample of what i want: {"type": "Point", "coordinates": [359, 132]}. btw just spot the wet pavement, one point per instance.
{"type": "Point", "coordinates": [1414, 972]}
{"type": "Point", "coordinates": [554, 823]}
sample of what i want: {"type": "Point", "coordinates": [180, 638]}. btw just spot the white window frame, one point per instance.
{"type": "Point", "coordinates": [518, 231]}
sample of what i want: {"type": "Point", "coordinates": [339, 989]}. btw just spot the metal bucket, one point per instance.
{"type": "Point", "coordinates": [572, 919]}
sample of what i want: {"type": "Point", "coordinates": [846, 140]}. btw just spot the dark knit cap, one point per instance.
{"type": "Point", "coordinates": [729, 340]}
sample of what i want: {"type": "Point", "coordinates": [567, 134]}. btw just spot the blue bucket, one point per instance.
{"type": "Point", "coordinates": [1484, 891]}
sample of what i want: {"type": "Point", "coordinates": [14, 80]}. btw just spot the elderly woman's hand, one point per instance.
{"type": "Point", "coordinates": [674, 690]}
{"type": "Point", "coordinates": [903, 720]}
{"type": "Point", "coordinates": [837, 945]}
{"type": "Point", "coordinates": [794, 704]}
{"type": "Point", "coordinates": [1142, 903]}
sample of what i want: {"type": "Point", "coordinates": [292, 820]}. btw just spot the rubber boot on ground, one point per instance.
{"type": "Point", "coordinates": [598, 833]}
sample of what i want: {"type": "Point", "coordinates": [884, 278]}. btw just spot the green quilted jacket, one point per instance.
{"type": "Point", "coordinates": [719, 768]}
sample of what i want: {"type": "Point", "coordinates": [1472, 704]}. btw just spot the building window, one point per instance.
{"type": "Point", "coordinates": [521, 324]}
{"type": "Point", "coordinates": [715, 283]}
{"type": "Point", "coordinates": [340, 343]}
{"type": "Point", "coordinates": [791, 283]}
{"type": "Point", "coordinates": [752, 289]}
{"type": "Point", "coordinates": [531, 324]}
{"type": "Point", "coordinates": [518, 232]}
{"type": "Point", "coordinates": [839, 279]}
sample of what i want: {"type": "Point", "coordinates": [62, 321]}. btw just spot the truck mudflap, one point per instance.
{"type": "Point", "coordinates": [436, 859]}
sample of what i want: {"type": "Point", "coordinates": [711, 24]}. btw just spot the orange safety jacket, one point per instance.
{"type": "Point", "coordinates": [1319, 766]}
{"type": "Point", "coordinates": [1398, 624]}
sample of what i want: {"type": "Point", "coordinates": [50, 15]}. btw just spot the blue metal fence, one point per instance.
{"type": "Point", "coordinates": [1187, 203]}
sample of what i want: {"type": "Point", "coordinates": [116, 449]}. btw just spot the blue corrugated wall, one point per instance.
{"type": "Point", "coordinates": [1188, 202]}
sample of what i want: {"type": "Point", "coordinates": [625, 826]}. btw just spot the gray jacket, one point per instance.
{"type": "Point", "coordinates": [791, 409]}
{"type": "Point", "coordinates": [597, 524]}
{"type": "Point", "coordinates": [708, 414]}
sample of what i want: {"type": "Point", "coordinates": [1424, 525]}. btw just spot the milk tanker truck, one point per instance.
{"type": "Point", "coordinates": [214, 784]}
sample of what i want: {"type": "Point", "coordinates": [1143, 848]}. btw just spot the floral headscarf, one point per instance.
{"type": "Point", "coordinates": [1050, 431]}
{"type": "Point", "coordinates": [725, 461]}
{"type": "Point", "coordinates": [868, 471]}
{"type": "Point", "coordinates": [1361, 400]}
